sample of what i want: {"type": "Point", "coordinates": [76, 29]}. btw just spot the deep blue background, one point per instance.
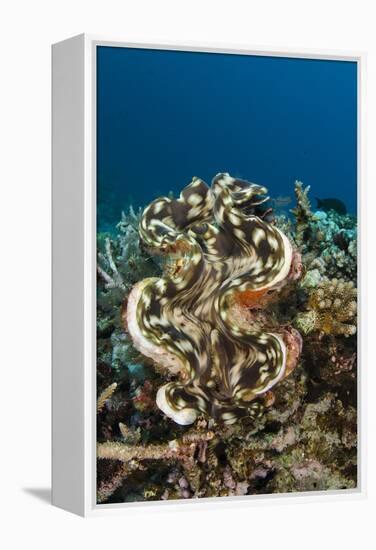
{"type": "Point", "coordinates": [165, 116]}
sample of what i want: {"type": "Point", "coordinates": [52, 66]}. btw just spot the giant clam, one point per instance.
{"type": "Point", "coordinates": [204, 320]}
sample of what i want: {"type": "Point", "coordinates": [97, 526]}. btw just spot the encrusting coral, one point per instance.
{"type": "Point", "coordinates": [302, 435]}
{"type": "Point", "coordinates": [190, 320]}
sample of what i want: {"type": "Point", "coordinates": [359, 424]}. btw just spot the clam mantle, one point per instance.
{"type": "Point", "coordinates": [205, 320]}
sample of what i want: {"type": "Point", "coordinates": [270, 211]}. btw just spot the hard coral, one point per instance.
{"type": "Point", "coordinates": [331, 309]}
{"type": "Point", "coordinates": [302, 212]}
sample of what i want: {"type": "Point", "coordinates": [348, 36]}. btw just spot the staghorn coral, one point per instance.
{"type": "Point", "coordinates": [331, 309]}
{"type": "Point", "coordinates": [105, 395]}
{"type": "Point", "coordinates": [175, 450]}
{"type": "Point", "coordinates": [302, 212]}
{"type": "Point", "coordinates": [132, 458]}
{"type": "Point", "coordinates": [200, 319]}
{"type": "Point", "coordinates": [107, 487]}
{"type": "Point", "coordinates": [121, 263]}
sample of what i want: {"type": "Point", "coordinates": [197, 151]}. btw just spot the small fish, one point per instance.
{"type": "Point", "coordinates": [331, 204]}
{"type": "Point", "coordinates": [280, 202]}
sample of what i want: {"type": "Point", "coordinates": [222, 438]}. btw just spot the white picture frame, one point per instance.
{"type": "Point", "coordinates": [74, 277]}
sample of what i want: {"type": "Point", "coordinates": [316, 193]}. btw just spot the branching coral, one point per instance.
{"type": "Point", "coordinates": [132, 457]}
{"type": "Point", "coordinates": [121, 263]}
{"type": "Point", "coordinates": [175, 450]}
{"type": "Point", "coordinates": [332, 309]}
{"type": "Point", "coordinates": [114, 280]}
{"type": "Point", "coordinates": [302, 212]}
{"type": "Point", "coordinates": [107, 487]}
{"type": "Point", "coordinates": [106, 394]}
{"type": "Point", "coordinates": [221, 256]}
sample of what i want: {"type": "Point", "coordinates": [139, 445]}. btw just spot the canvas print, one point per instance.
{"type": "Point", "coordinates": [226, 275]}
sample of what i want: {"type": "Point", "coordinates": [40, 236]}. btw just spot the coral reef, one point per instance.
{"type": "Point", "coordinates": [299, 434]}
{"type": "Point", "coordinates": [326, 239]}
{"type": "Point", "coordinates": [302, 212]}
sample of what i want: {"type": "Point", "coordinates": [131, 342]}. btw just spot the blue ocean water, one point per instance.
{"type": "Point", "coordinates": [165, 116]}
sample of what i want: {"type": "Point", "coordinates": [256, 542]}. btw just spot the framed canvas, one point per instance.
{"type": "Point", "coordinates": [207, 288]}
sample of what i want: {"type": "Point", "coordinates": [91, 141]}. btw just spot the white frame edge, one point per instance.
{"type": "Point", "coordinates": [74, 279]}
{"type": "Point", "coordinates": [68, 289]}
